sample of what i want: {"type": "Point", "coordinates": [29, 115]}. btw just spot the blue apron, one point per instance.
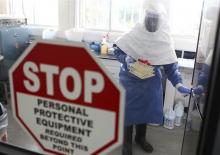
{"type": "Point", "coordinates": [144, 98]}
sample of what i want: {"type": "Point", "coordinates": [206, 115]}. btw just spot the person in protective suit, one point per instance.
{"type": "Point", "coordinates": [142, 52]}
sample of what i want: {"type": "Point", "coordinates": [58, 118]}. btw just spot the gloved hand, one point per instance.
{"type": "Point", "coordinates": [198, 90]}
{"type": "Point", "coordinates": [182, 89]}
{"type": "Point", "coordinates": [129, 60]}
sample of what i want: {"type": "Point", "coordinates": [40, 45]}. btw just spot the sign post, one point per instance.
{"type": "Point", "coordinates": [63, 97]}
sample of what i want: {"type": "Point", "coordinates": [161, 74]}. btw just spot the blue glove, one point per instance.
{"type": "Point", "coordinates": [129, 60]}
{"type": "Point", "coordinates": [198, 90]}
{"type": "Point", "coordinates": [183, 90]}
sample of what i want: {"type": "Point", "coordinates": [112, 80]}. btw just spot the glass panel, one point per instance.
{"type": "Point", "coordinates": [201, 75]}
{"type": "Point", "coordinates": [95, 14]}
{"type": "Point", "coordinates": [190, 25]}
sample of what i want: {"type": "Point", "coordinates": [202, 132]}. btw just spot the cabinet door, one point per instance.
{"type": "Point", "coordinates": [21, 37]}
{"type": "Point", "coordinates": [8, 44]}
{"type": "Point", "coordinates": [13, 41]}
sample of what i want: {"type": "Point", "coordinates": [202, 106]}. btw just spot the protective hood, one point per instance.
{"type": "Point", "coordinates": [155, 47]}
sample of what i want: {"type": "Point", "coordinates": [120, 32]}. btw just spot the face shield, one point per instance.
{"type": "Point", "coordinates": [155, 15]}
{"type": "Point", "coordinates": [152, 21]}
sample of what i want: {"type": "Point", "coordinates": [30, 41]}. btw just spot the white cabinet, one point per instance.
{"type": "Point", "coordinates": [171, 94]}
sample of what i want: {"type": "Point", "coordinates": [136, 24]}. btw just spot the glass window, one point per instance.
{"type": "Point", "coordinates": [114, 15]}
{"type": "Point", "coordinates": [109, 14]}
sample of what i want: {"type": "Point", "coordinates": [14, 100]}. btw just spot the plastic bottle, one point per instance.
{"type": "Point", "coordinates": [179, 111]}
{"type": "Point", "coordinates": [3, 123]}
{"type": "Point", "coordinates": [104, 46]}
{"type": "Point", "coordinates": [169, 119]}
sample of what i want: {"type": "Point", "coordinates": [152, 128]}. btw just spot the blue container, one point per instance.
{"type": "Point", "coordinates": [95, 46]}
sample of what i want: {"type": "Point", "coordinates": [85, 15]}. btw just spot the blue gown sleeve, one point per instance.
{"type": "Point", "coordinates": [173, 73]}
{"type": "Point", "coordinates": [120, 55]}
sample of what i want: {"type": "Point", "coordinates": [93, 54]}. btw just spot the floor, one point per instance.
{"type": "Point", "coordinates": [164, 141]}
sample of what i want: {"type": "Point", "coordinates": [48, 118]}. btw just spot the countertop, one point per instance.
{"type": "Point", "coordinates": [109, 56]}
{"type": "Point", "coordinates": [184, 63]}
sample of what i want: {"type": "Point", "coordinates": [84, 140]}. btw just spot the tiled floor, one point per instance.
{"type": "Point", "coordinates": [164, 141]}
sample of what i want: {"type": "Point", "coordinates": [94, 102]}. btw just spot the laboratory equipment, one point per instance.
{"type": "Point", "coordinates": [95, 46]}
{"type": "Point", "coordinates": [14, 38]}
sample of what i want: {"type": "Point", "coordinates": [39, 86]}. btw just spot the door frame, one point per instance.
{"type": "Point", "coordinates": [209, 138]}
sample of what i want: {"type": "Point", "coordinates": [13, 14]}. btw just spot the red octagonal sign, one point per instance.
{"type": "Point", "coordinates": [65, 99]}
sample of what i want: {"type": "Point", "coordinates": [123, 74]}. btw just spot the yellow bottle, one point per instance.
{"type": "Point", "coordinates": [104, 46]}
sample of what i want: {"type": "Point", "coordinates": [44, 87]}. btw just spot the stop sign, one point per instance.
{"type": "Point", "coordinates": [63, 97]}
